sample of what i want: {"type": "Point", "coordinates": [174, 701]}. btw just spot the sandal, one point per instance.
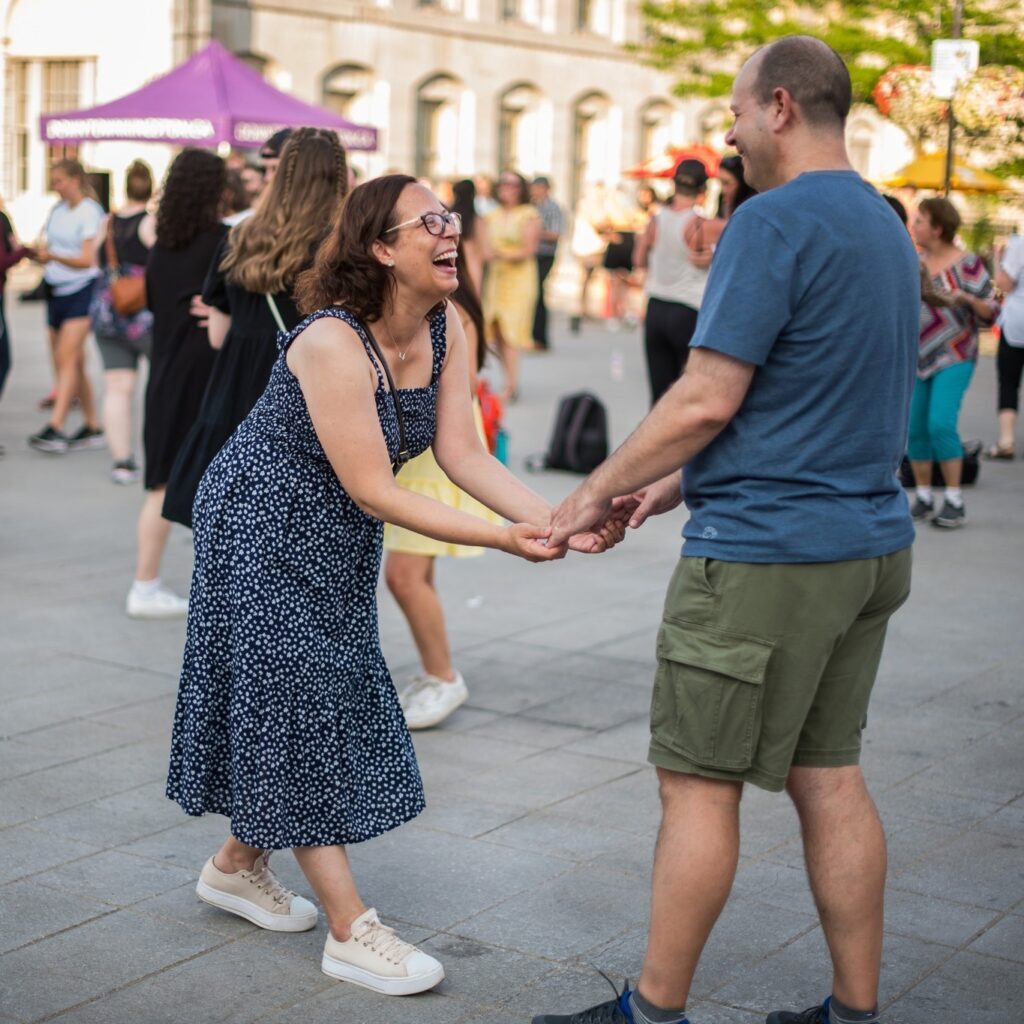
{"type": "Point", "coordinates": [1000, 451]}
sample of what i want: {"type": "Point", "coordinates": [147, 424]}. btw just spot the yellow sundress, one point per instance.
{"type": "Point", "coordinates": [510, 289]}
{"type": "Point", "coordinates": [423, 475]}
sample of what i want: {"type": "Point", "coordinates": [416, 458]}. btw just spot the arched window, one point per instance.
{"type": "Point", "coordinates": [591, 141]}
{"type": "Point", "coordinates": [714, 125]}
{"type": "Point", "coordinates": [347, 90]}
{"type": "Point", "coordinates": [524, 130]}
{"type": "Point", "coordinates": [439, 103]}
{"type": "Point", "coordinates": [655, 128]}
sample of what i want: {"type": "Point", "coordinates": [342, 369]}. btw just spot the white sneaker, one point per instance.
{"type": "Point", "coordinates": [428, 700]}
{"type": "Point", "coordinates": [376, 958]}
{"type": "Point", "coordinates": [257, 896]}
{"type": "Point", "coordinates": [157, 604]}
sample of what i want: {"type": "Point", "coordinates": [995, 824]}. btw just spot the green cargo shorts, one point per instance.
{"type": "Point", "coordinates": [762, 667]}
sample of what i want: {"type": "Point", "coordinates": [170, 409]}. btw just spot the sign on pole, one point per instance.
{"type": "Point", "coordinates": [953, 61]}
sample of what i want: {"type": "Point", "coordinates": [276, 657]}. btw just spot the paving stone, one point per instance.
{"type": "Point", "coordinates": [981, 989]}
{"type": "Point", "coordinates": [626, 742]}
{"type": "Point", "coordinates": [342, 1002]}
{"type": "Point", "coordinates": [1004, 939]}
{"type": "Point", "coordinates": [479, 973]}
{"type": "Point", "coordinates": [987, 871]}
{"type": "Point", "coordinates": [544, 778]}
{"type": "Point", "coordinates": [629, 803]}
{"type": "Point", "coordinates": [800, 973]}
{"type": "Point", "coordinates": [435, 880]}
{"type": "Point", "coordinates": [933, 919]}
{"type": "Point", "coordinates": [27, 851]}
{"type": "Point", "coordinates": [181, 904]}
{"type": "Point", "coordinates": [31, 911]}
{"type": "Point", "coordinates": [106, 953]}
{"type": "Point", "coordinates": [555, 836]}
{"type": "Point", "coordinates": [116, 878]}
{"type": "Point", "coordinates": [234, 984]}
{"type": "Point", "coordinates": [451, 811]}
{"type": "Point", "coordinates": [533, 732]}
{"type": "Point", "coordinates": [916, 802]}
{"type": "Point", "coordinates": [595, 706]}
{"type": "Point", "coordinates": [564, 917]}
{"type": "Point", "coordinates": [116, 819]}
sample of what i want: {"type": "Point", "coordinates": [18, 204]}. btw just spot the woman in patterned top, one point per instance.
{"type": "Point", "coordinates": [946, 358]}
{"type": "Point", "coordinates": [287, 719]}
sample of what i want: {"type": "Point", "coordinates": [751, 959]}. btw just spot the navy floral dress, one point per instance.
{"type": "Point", "coordinates": [287, 718]}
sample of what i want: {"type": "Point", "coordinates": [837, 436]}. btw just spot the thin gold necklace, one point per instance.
{"type": "Point", "coordinates": [391, 338]}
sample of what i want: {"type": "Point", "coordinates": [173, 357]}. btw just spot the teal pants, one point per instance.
{"type": "Point", "coordinates": [934, 410]}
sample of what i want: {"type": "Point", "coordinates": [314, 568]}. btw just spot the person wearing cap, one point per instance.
{"type": "Point", "coordinates": [674, 285]}
{"type": "Point", "coordinates": [552, 222]}
{"type": "Point", "coordinates": [270, 153]}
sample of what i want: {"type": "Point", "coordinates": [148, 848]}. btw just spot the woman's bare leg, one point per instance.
{"type": "Point", "coordinates": [410, 578]}
{"type": "Point", "coordinates": [72, 379]}
{"type": "Point", "coordinates": [118, 392]}
{"type": "Point", "coordinates": [327, 870]}
{"type": "Point", "coordinates": [153, 531]}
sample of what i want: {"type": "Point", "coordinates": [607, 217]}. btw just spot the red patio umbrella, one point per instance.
{"type": "Point", "coordinates": [664, 165]}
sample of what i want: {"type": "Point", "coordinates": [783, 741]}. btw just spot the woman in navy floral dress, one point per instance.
{"type": "Point", "coordinates": [287, 719]}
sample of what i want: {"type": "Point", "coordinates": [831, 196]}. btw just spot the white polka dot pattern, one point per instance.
{"type": "Point", "coordinates": [287, 718]}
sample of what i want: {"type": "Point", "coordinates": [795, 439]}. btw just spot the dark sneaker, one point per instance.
{"type": "Point", "coordinates": [49, 440]}
{"type": "Point", "coordinates": [615, 1011]}
{"type": "Point", "coordinates": [922, 509]}
{"type": "Point", "coordinates": [85, 439]}
{"type": "Point", "coordinates": [815, 1015]}
{"type": "Point", "coordinates": [950, 517]}
{"type": "Point", "coordinates": [125, 472]}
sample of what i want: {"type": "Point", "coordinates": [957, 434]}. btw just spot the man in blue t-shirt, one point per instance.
{"type": "Point", "coordinates": [790, 421]}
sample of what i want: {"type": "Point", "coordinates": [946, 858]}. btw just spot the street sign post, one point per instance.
{"type": "Point", "coordinates": [953, 62]}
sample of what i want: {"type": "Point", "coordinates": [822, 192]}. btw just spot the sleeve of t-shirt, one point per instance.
{"type": "Point", "coordinates": [748, 299]}
{"type": "Point", "coordinates": [92, 217]}
{"type": "Point", "coordinates": [215, 288]}
{"type": "Point", "coordinates": [1013, 258]}
{"type": "Point", "coordinates": [979, 284]}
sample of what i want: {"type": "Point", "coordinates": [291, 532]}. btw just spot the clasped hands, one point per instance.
{"type": "Point", "coordinates": [591, 524]}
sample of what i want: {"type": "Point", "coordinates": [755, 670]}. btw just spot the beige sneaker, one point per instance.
{"type": "Point", "coordinates": [257, 896]}
{"type": "Point", "coordinates": [376, 958]}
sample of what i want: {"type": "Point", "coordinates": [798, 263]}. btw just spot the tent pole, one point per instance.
{"type": "Point", "coordinates": [958, 18]}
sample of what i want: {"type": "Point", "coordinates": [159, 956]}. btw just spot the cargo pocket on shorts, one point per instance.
{"type": "Point", "coordinates": [707, 694]}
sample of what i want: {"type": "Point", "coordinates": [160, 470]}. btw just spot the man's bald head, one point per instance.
{"type": "Point", "coordinates": [811, 72]}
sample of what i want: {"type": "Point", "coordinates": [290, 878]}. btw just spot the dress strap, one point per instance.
{"type": "Point", "coordinates": [285, 340]}
{"type": "Point", "coordinates": [438, 340]}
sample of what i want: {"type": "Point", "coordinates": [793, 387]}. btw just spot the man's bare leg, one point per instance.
{"type": "Point", "coordinates": [694, 867]}
{"type": "Point", "coordinates": [844, 847]}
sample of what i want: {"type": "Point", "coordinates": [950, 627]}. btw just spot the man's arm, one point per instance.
{"type": "Point", "coordinates": [686, 419]}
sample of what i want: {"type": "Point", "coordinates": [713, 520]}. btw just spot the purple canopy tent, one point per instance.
{"type": "Point", "coordinates": [211, 98]}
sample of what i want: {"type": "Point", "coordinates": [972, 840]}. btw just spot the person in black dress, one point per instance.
{"type": "Point", "coordinates": [287, 718]}
{"type": "Point", "coordinates": [188, 233]}
{"type": "Point", "coordinates": [248, 288]}
{"type": "Point", "coordinates": [123, 340]}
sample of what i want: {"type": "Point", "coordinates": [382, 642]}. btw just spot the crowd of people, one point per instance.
{"type": "Point", "coordinates": [311, 412]}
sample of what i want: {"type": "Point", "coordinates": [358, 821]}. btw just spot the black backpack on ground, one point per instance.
{"type": "Point", "coordinates": [579, 442]}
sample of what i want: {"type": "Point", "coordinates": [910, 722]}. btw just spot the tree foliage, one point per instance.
{"type": "Point", "coordinates": [704, 42]}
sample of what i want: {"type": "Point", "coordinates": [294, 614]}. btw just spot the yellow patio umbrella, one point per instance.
{"type": "Point", "coordinates": [928, 172]}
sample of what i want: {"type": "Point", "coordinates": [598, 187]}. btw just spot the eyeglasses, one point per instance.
{"type": "Point", "coordinates": [435, 223]}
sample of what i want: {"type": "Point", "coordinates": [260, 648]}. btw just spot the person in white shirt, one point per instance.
{"type": "Point", "coordinates": [69, 256]}
{"type": "Point", "coordinates": [1010, 358]}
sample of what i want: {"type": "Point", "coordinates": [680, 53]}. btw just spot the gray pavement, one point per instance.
{"type": "Point", "coordinates": [531, 865]}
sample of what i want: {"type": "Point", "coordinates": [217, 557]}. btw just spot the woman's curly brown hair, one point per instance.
{"type": "Point", "coordinates": [345, 272]}
{"type": "Point", "coordinates": [192, 196]}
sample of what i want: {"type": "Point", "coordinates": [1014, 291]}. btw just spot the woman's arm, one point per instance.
{"type": "Point", "coordinates": [217, 326]}
{"type": "Point", "coordinates": [644, 243]}
{"type": "Point", "coordinates": [147, 231]}
{"type": "Point", "coordinates": [338, 383]}
{"type": "Point", "coordinates": [460, 452]}
{"type": "Point", "coordinates": [83, 261]}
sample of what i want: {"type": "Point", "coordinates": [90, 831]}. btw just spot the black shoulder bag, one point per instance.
{"type": "Point", "coordinates": [403, 450]}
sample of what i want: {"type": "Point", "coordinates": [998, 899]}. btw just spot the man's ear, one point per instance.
{"type": "Point", "coordinates": [382, 253]}
{"type": "Point", "coordinates": [783, 109]}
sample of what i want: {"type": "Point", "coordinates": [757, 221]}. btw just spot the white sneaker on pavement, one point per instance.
{"type": "Point", "coordinates": [376, 958]}
{"type": "Point", "coordinates": [429, 701]}
{"type": "Point", "coordinates": [160, 603]}
{"type": "Point", "coordinates": [257, 896]}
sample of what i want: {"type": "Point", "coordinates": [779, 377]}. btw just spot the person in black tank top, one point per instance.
{"type": "Point", "coordinates": [125, 243]}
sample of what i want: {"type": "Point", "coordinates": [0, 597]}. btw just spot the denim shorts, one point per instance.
{"type": "Point", "coordinates": [766, 667]}
{"type": "Point", "coordinates": [69, 307]}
